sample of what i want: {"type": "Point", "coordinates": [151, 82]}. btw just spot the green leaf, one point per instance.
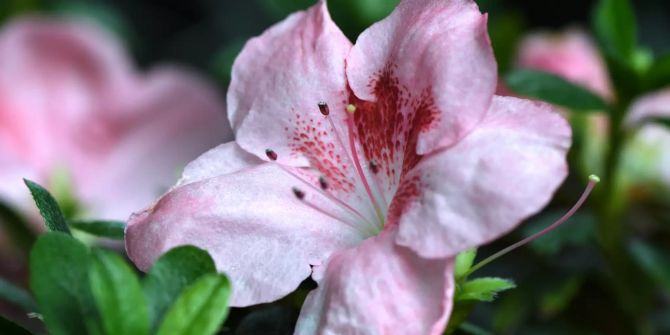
{"type": "Point", "coordinates": [554, 89]}
{"type": "Point", "coordinates": [16, 295]}
{"type": "Point", "coordinates": [175, 270]}
{"type": "Point", "coordinates": [59, 280]}
{"type": "Point", "coordinates": [654, 261]}
{"type": "Point", "coordinates": [200, 309]}
{"type": "Point", "coordinates": [16, 227]}
{"type": "Point", "coordinates": [51, 213]}
{"type": "Point", "coordinates": [10, 328]}
{"type": "Point", "coordinates": [463, 263]}
{"type": "Point", "coordinates": [101, 228]}
{"type": "Point", "coordinates": [616, 30]}
{"type": "Point", "coordinates": [118, 295]}
{"type": "Point", "coordinates": [483, 289]}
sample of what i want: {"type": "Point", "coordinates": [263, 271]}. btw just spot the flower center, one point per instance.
{"type": "Point", "coordinates": [366, 177]}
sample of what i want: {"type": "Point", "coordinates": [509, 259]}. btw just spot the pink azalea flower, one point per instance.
{"type": "Point", "coordinates": [571, 55]}
{"type": "Point", "coordinates": [368, 167]}
{"type": "Point", "coordinates": [71, 103]}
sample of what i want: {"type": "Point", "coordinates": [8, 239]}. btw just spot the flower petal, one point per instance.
{"type": "Point", "coordinates": [379, 288]}
{"type": "Point", "coordinates": [571, 55]}
{"type": "Point", "coordinates": [258, 233]}
{"type": "Point", "coordinates": [221, 160]}
{"type": "Point", "coordinates": [428, 57]}
{"type": "Point", "coordinates": [172, 118]}
{"type": "Point", "coordinates": [277, 82]}
{"type": "Point", "coordinates": [502, 172]}
{"type": "Point", "coordinates": [652, 105]}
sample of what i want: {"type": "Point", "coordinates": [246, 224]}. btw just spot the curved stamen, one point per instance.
{"type": "Point", "coordinates": [270, 153]}
{"type": "Point", "coordinates": [374, 168]}
{"type": "Point", "coordinates": [300, 195]}
{"type": "Point", "coordinates": [593, 180]}
{"type": "Point", "coordinates": [352, 143]}
{"type": "Point", "coordinates": [325, 111]}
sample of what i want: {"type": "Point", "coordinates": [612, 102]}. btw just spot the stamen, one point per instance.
{"type": "Point", "coordinates": [323, 107]}
{"type": "Point", "coordinates": [349, 155]}
{"type": "Point", "coordinates": [325, 194]}
{"type": "Point", "coordinates": [374, 167]}
{"type": "Point", "coordinates": [271, 154]}
{"type": "Point", "coordinates": [593, 180]}
{"type": "Point", "coordinates": [357, 164]}
{"type": "Point", "coordinates": [301, 196]}
{"type": "Point", "coordinates": [323, 183]}
{"type": "Point", "coordinates": [298, 193]}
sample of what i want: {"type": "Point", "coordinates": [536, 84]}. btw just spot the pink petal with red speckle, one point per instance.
{"type": "Point", "coordinates": [482, 187]}
{"type": "Point", "coordinates": [430, 67]}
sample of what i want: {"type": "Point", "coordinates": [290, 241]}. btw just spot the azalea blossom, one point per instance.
{"type": "Point", "coordinates": [573, 56]}
{"type": "Point", "coordinates": [570, 54]}
{"type": "Point", "coordinates": [367, 167]}
{"type": "Point", "coordinates": [74, 110]}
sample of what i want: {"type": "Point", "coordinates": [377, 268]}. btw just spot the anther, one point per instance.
{"type": "Point", "coordinates": [374, 167]}
{"type": "Point", "coordinates": [323, 107]}
{"type": "Point", "coordinates": [323, 183]}
{"type": "Point", "coordinates": [351, 108]}
{"type": "Point", "coordinates": [271, 154]}
{"type": "Point", "coordinates": [298, 193]}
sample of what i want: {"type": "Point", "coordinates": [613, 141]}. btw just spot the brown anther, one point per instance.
{"type": "Point", "coordinates": [298, 193]}
{"type": "Point", "coordinates": [374, 167]}
{"type": "Point", "coordinates": [323, 183]}
{"type": "Point", "coordinates": [323, 107]}
{"type": "Point", "coordinates": [271, 154]}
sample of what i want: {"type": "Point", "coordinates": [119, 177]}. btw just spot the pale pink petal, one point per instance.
{"type": "Point", "coordinates": [571, 55]}
{"type": "Point", "coordinates": [652, 105]}
{"type": "Point", "coordinates": [60, 69]}
{"type": "Point", "coordinates": [502, 172]}
{"type": "Point", "coordinates": [646, 158]}
{"type": "Point", "coordinates": [131, 159]}
{"type": "Point", "coordinates": [429, 58]}
{"type": "Point", "coordinates": [277, 82]}
{"type": "Point", "coordinates": [379, 288]}
{"type": "Point", "coordinates": [258, 233]}
{"type": "Point", "coordinates": [223, 159]}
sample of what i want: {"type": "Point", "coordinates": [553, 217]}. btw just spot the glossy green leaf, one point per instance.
{"type": "Point", "coordinates": [554, 89]}
{"type": "Point", "coordinates": [174, 271]}
{"type": "Point", "coordinates": [16, 295]}
{"type": "Point", "coordinates": [200, 309]}
{"type": "Point", "coordinates": [463, 263]}
{"type": "Point", "coordinates": [615, 27]}
{"type": "Point", "coordinates": [118, 295]}
{"type": "Point", "coordinates": [101, 228]}
{"type": "Point", "coordinates": [59, 280]}
{"type": "Point", "coordinates": [483, 289]}
{"type": "Point", "coordinates": [51, 213]}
